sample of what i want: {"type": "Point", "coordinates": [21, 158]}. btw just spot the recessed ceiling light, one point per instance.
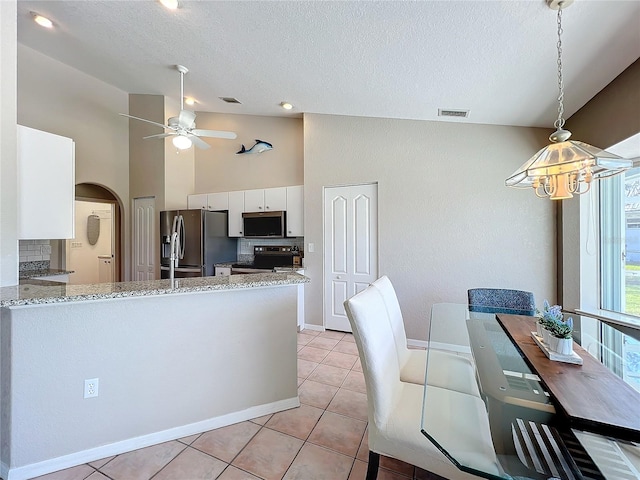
{"type": "Point", "coordinates": [286, 105]}
{"type": "Point", "coordinates": [42, 21]}
{"type": "Point", "coordinates": [190, 100]}
{"type": "Point", "coordinates": [170, 4]}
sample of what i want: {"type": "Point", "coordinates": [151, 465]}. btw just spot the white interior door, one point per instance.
{"type": "Point", "coordinates": [144, 238]}
{"type": "Point", "coordinates": [350, 248]}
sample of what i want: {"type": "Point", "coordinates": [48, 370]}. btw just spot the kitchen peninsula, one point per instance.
{"type": "Point", "coordinates": [169, 363]}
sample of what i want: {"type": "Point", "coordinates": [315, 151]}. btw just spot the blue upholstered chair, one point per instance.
{"type": "Point", "coordinates": [501, 300]}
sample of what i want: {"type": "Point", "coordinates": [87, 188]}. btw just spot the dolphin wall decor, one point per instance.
{"type": "Point", "coordinates": [259, 147]}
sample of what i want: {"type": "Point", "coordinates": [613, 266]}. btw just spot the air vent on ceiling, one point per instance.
{"type": "Point", "coordinates": [230, 100]}
{"type": "Point", "coordinates": [453, 113]}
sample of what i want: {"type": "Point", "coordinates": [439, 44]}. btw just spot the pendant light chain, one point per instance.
{"type": "Point", "coordinates": [559, 123]}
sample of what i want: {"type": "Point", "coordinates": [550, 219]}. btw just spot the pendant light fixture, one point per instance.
{"type": "Point", "coordinates": [565, 167]}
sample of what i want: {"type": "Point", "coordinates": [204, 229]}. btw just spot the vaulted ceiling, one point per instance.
{"type": "Point", "coordinates": [394, 59]}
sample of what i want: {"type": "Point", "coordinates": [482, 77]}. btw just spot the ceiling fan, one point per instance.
{"type": "Point", "coordinates": [183, 127]}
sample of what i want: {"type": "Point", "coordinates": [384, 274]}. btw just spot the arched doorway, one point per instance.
{"type": "Point", "coordinates": [95, 254]}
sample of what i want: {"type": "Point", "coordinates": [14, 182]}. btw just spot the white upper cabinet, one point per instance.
{"type": "Point", "coordinates": [254, 200]}
{"type": "Point", "coordinates": [46, 185]}
{"type": "Point", "coordinates": [218, 201]}
{"type": "Point", "coordinates": [197, 201]}
{"type": "Point", "coordinates": [265, 200]}
{"type": "Point", "coordinates": [209, 201]}
{"type": "Point", "coordinates": [275, 199]}
{"type": "Point", "coordinates": [295, 211]}
{"type": "Point", "coordinates": [236, 207]}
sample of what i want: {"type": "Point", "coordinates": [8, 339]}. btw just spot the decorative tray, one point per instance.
{"type": "Point", "coordinates": [555, 356]}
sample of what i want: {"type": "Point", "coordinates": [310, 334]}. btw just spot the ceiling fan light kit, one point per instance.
{"type": "Point", "coordinates": [566, 167]}
{"type": "Point", "coordinates": [182, 142]}
{"type": "Point", "coordinates": [183, 127]}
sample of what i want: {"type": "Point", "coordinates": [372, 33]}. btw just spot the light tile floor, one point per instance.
{"type": "Point", "coordinates": [324, 439]}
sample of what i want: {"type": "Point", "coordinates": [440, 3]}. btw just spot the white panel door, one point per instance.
{"type": "Point", "coordinates": [350, 248]}
{"type": "Point", "coordinates": [144, 239]}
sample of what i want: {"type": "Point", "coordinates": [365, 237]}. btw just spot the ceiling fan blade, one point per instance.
{"type": "Point", "coordinates": [159, 135]}
{"type": "Point", "coordinates": [145, 120]}
{"type": "Point", "coordinates": [198, 142]}
{"type": "Point", "coordinates": [186, 118]}
{"type": "Point", "coordinates": [214, 133]}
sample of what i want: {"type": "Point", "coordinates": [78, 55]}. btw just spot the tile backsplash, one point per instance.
{"type": "Point", "coordinates": [35, 250]}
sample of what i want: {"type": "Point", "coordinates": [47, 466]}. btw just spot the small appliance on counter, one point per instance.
{"type": "Point", "coordinates": [203, 242]}
{"type": "Point", "coordinates": [268, 257]}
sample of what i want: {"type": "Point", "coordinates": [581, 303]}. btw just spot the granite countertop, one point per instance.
{"type": "Point", "coordinates": [47, 272]}
{"type": "Point", "coordinates": [36, 292]}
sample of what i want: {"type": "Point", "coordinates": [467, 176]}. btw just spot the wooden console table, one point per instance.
{"type": "Point", "coordinates": [590, 396]}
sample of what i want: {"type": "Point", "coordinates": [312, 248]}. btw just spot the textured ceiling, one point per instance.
{"type": "Point", "coordinates": [401, 59]}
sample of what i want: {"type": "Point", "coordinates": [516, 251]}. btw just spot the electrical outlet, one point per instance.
{"type": "Point", "coordinates": [91, 387]}
{"type": "Point", "coordinates": [45, 249]}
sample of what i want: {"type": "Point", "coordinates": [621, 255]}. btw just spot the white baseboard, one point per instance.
{"type": "Point", "coordinates": [97, 453]}
{"type": "Point", "coordinates": [315, 328]}
{"type": "Point", "coordinates": [411, 342]}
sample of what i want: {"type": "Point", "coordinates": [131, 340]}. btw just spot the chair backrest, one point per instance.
{"type": "Point", "coordinates": [501, 300]}
{"type": "Point", "coordinates": [385, 287]}
{"type": "Point", "coordinates": [374, 337]}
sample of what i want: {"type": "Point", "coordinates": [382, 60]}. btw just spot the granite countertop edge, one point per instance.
{"type": "Point", "coordinates": [49, 272]}
{"type": "Point", "coordinates": [36, 294]}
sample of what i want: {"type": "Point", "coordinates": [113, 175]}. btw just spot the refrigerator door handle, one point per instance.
{"type": "Point", "coordinates": [182, 239]}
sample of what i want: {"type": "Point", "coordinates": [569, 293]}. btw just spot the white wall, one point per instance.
{"type": "Point", "coordinates": [82, 257]}
{"type": "Point", "coordinates": [8, 194]}
{"type": "Point", "coordinates": [8, 147]}
{"type": "Point", "coordinates": [59, 99]}
{"type": "Point", "coordinates": [447, 223]}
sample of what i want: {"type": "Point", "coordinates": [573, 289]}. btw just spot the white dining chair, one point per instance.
{"type": "Point", "coordinates": [446, 369]}
{"type": "Point", "coordinates": [395, 407]}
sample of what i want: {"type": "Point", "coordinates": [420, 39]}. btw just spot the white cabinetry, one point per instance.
{"type": "Point", "coordinates": [295, 211]}
{"type": "Point", "coordinates": [197, 201]}
{"type": "Point", "coordinates": [275, 199]}
{"type": "Point", "coordinates": [265, 200]}
{"type": "Point", "coordinates": [222, 271]}
{"type": "Point", "coordinates": [254, 200]}
{"type": "Point", "coordinates": [209, 201]}
{"type": "Point", "coordinates": [236, 207]}
{"type": "Point", "coordinates": [46, 185]}
{"type": "Point", "coordinates": [218, 201]}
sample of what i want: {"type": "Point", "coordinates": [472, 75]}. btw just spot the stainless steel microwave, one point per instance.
{"type": "Point", "coordinates": [264, 224]}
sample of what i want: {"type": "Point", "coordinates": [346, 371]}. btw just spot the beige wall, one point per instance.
{"type": "Point", "coordinates": [59, 99]}
{"type": "Point", "coordinates": [610, 117]}
{"type": "Point", "coordinates": [125, 341]}
{"type": "Point", "coordinates": [447, 223]}
{"type": "Point", "coordinates": [146, 157]}
{"type": "Point", "coordinates": [179, 166]}
{"type": "Point", "coordinates": [219, 169]}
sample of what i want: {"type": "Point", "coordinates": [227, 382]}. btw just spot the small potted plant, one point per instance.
{"type": "Point", "coordinates": [547, 319]}
{"type": "Point", "coordinates": [561, 340]}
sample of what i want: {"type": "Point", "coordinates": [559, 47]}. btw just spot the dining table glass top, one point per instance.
{"type": "Point", "coordinates": [530, 434]}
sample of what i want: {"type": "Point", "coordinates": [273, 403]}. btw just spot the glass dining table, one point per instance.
{"type": "Point", "coordinates": [535, 430]}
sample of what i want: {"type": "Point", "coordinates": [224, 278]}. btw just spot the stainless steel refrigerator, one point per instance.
{"type": "Point", "coordinates": [204, 241]}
